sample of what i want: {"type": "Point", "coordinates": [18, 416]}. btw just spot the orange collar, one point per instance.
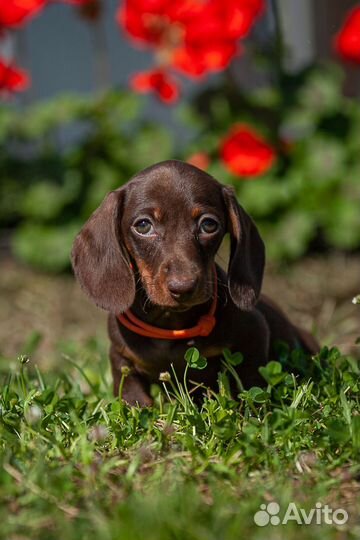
{"type": "Point", "coordinates": [203, 328]}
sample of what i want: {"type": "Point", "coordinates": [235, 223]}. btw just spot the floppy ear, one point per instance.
{"type": "Point", "coordinates": [247, 254]}
{"type": "Point", "coordinates": [100, 260]}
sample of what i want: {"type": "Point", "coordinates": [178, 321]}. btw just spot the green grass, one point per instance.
{"type": "Point", "coordinates": [77, 463]}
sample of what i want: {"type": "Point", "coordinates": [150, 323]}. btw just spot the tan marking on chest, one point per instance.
{"type": "Point", "coordinates": [130, 355]}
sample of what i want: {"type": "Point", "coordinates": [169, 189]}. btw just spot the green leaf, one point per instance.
{"type": "Point", "coordinates": [258, 395]}
{"type": "Point", "coordinates": [338, 430]}
{"type": "Point", "coordinates": [324, 159]}
{"type": "Point", "coordinates": [282, 350]}
{"type": "Point", "coordinates": [355, 430]}
{"type": "Point", "coordinates": [194, 359]}
{"type": "Point", "coordinates": [272, 373]}
{"type": "Point", "coordinates": [263, 196]}
{"type": "Point", "coordinates": [151, 144]}
{"type": "Point", "coordinates": [235, 359]}
{"type": "Point", "coordinates": [321, 92]}
{"type": "Point", "coordinates": [342, 227]}
{"type": "Point", "coordinates": [121, 106]}
{"type": "Point", "coordinates": [46, 247]}
{"type": "Point", "coordinates": [43, 201]}
{"type": "Point", "coordinates": [192, 355]}
{"type": "Point", "coordinates": [105, 178]}
{"type": "Point", "coordinates": [291, 235]}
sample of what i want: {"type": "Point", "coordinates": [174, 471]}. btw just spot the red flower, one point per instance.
{"type": "Point", "coordinates": [193, 36]}
{"type": "Point", "coordinates": [211, 39]}
{"type": "Point", "coordinates": [347, 41]}
{"type": "Point", "coordinates": [12, 79]}
{"type": "Point", "coordinates": [241, 15]}
{"type": "Point", "coordinates": [198, 60]}
{"type": "Point", "coordinates": [200, 160]}
{"type": "Point", "coordinates": [165, 87]}
{"type": "Point", "coordinates": [157, 22]}
{"type": "Point", "coordinates": [245, 153]}
{"type": "Point", "coordinates": [14, 12]}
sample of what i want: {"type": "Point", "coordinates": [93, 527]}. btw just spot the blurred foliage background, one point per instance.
{"type": "Point", "coordinates": [307, 200]}
{"type": "Point", "coordinates": [310, 198]}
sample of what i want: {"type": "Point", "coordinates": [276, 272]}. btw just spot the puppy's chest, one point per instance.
{"type": "Point", "coordinates": [153, 357]}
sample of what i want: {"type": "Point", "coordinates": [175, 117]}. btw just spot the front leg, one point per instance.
{"type": "Point", "coordinates": [254, 344]}
{"type": "Point", "coordinates": [135, 389]}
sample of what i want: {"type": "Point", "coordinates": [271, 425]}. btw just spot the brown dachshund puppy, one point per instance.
{"type": "Point", "coordinates": [146, 255]}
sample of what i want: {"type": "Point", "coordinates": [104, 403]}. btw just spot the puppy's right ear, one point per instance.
{"type": "Point", "coordinates": [99, 259]}
{"type": "Point", "coordinates": [247, 256]}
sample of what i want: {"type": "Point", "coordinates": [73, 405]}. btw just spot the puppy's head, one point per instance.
{"type": "Point", "coordinates": [163, 229]}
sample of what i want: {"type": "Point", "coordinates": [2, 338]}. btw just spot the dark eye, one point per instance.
{"type": "Point", "coordinates": [144, 227]}
{"type": "Point", "coordinates": [208, 225]}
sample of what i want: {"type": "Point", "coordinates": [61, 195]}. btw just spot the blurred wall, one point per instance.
{"type": "Point", "coordinates": [65, 53]}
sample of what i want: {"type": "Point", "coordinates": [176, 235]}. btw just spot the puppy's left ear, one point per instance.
{"type": "Point", "coordinates": [100, 260]}
{"type": "Point", "coordinates": [247, 255]}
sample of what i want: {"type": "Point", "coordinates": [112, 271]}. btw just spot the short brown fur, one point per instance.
{"type": "Point", "coordinates": [167, 277]}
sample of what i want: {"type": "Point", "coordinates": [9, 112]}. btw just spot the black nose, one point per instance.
{"type": "Point", "coordinates": [180, 287]}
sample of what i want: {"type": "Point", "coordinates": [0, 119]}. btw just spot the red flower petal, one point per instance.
{"type": "Point", "coordinates": [198, 60]}
{"type": "Point", "coordinates": [147, 27]}
{"type": "Point", "coordinates": [176, 10]}
{"type": "Point", "coordinates": [12, 79]}
{"type": "Point", "coordinates": [194, 36]}
{"type": "Point", "coordinates": [347, 41]}
{"type": "Point", "coordinates": [218, 55]}
{"type": "Point", "coordinates": [224, 20]}
{"type": "Point", "coordinates": [245, 153]}
{"type": "Point", "coordinates": [15, 12]}
{"type": "Point", "coordinates": [161, 83]}
{"type": "Point", "coordinates": [188, 61]}
{"type": "Point", "coordinates": [200, 160]}
{"type": "Point", "coordinates": [185, 10]}
{"type": "Point", "coordinates": [241, 16]}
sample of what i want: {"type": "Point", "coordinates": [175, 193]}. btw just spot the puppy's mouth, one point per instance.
{"type": "Point", "coordinates": [179, 304]}
{"type": "Point", "coordinates": [185, 306]}
{"type": "Point", "coordinates": [161, 296]}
